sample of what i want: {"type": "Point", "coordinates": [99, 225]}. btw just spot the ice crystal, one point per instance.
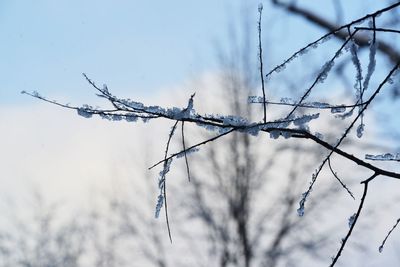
{"type": "Point", "coordinates": [133, 104]}
{"type": "Point", "coordinates": [319, 105]}
{"type": "Point", "coordinates": [253, 130]}
{"type": "Point", "coordinates": [36, 94]}
{"type": "Point", "coordinates": [371, 65]}
{"type": "Point", "coordinates": [325, 71]}
{"type": "Point", "coordinates": [159, 205]}
{"type": "Point", "coordinates": [286, 100]}
{"type": "Point", "coordinates": [384, 157]}
{"type": "Point", "coordinates": [222, 130]}
{"type": "Point", "coordinates": [131, 118]}
{"type": "Point", "coordinates": [165, 170]}
{"type": "Point", "coordinates": [286, 134]}
{"type": "Point", "coordinates": [300, 210]}
{"type": "Point", "coordinates": [161, 186]}
{"type": "Point", "coordinates": [189, 151]}
{"type": "Point", "coordinates": [85, 111]}
{"type": "Point", "coordinates": [303, 120]}
{"type": "Point", "coordinates": [116, 117]}
{"type": "Point", "coordinates": [234, 120]}
{"type": "Point", "coordinates": [255, 99]}
{"type": "Point", "coordinates": [352, 219]}
{"type": "Point", "coordinates": [274, 134]}
{"type": "Point", "coordinates": [360, 130]}
{"type": "Point", "coordinates": [280, 68]}
{"type": "Point", "coordinates": [338, 109]}
{"type": "Point", "coordinates": [345, 115]}
{"type": "Point", "coordinates": [357, 65]}
{"type": "Point", "coordinates": [105, 89]}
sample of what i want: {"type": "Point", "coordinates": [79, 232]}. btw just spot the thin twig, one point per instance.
{"type": "Point", "coordinates": [184, 151]}
{"type": "Point", "coordinates": [340, 181]}
{"type": "Point", "coordinates": [388, 234]}
{"type": "Point", "coordinates": [310, 105]}
{"type": "Point", "coordinates": [193, 146]}
{"type": "Point", "coordinates": [344, 241]}
{"type": "Point", "coordinates": [165, 180]}
{"type": "Point", "coordinates": [260, 57]}
{"type": "Point", "coordinates": [377, 29]}
{"type": "Point", "coordinates": [367, 103]}
{"type": "Point", "coordinates": [316, 80]}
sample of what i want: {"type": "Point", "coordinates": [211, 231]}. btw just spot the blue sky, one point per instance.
{"type": "Point", "coordinates": [136, 46]}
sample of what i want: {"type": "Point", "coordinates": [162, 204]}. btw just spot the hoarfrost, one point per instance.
{"type": "Point", "coordinates": [274, 134]}
{"type": "Point", "coordinates": [159, 205]}
{"type": "Point", "coordinates": [131, 118]}
{"type": "Point", "coordinates": [36, 94]}
{"type": "Point", "coordinates": [357, 65]}
{"type": "Point", "coordinates": [371, 65]}
{"type": "Point", "coordinates": [325, 71]}
{"type": "Point", "coordinates": [105, 89]}
{"type": "Point", "coordinates": [319, 105]}
{"type": "Point", "coordinates": [161, 186]}
{"type": "Point", "coordinates": [187, 152]}
{"type": "Point", "coordinates": [116, 117]}
{"type": "Point", "coordinates": [300, 210]}
{"type": "Point", "coordinates": [286, 134]}
{"type": "Point", "coordinates": [255, 99]}
{"type": "Point", "coordinates": [360, 130]}
{"type": "Point", "coordinates": [85, 111]}
{"type": "Point", "coordinates": [286, 100]}
{"type": "Point", "coordinates": [352, 218]}
{"type": "Point", "coordinates": [345, 115]}
{"type": "Point", "coordinates": [234, 120]}
{"type": "Point", "coordinates": [253, 130]}
{"type": "Point", "coordinates": [384, 157]}
{"type": "Point", "coordinates": [222, 130]}
{"type": "Point", "coordinates": [338, 109]}
{"type": "Point", "coordinates": [301, 121]}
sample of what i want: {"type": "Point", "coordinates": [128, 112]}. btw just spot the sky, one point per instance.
{"type": "Point", "coordinates": [135, 46]}
{"type": "Point", "coordinates": [146, 50]}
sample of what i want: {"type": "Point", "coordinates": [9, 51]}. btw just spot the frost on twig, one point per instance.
{"type": "Point", "coordinates": [387, 236]}
{"type": "Point", "coordinates": [384, 157]}
{"type": "Point", "coordinates": [352, 219]}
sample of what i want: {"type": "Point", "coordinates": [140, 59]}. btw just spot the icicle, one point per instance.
{"type": "Point", "coordinates": [371, 65]}
{"type": "Point", "coordinates": [360, 130]}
